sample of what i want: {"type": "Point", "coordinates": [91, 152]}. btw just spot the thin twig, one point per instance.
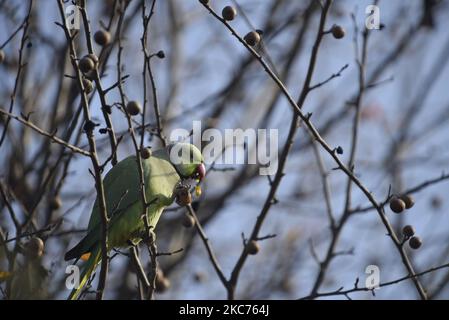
{"type": "Point", "coordinates": [52, 136]}
{"type": "Point", "coordinates": [209, 249]}
{"type": "Point", "coordinates": [139, 269]}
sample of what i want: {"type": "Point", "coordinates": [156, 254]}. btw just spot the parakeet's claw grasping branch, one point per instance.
{"type": "Point", "coordinates": [150, 237]}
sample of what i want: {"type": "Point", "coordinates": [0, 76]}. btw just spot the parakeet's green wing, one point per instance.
{"type": "Point", "coordinates": [121, 186]}
{"type": "Point", "coordinates": [160, 183]}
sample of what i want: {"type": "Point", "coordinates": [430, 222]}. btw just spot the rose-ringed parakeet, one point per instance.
{"type": "Point", "coordinates": [164, 170]}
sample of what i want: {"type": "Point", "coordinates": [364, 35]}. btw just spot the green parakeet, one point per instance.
{"type": "Point", "coordinates": [163, 172]}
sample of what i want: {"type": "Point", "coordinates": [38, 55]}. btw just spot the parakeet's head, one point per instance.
{"type": "Point", "coordinates": [188, 160]}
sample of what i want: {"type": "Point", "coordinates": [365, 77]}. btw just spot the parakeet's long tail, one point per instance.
{"type": "Point", "coordinates": [88, 269]}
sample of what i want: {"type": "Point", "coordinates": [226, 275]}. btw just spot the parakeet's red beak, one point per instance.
{"type": "Point", "coordinates": [200, 171]}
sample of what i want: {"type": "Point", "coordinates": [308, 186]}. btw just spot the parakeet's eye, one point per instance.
{"type": "Point", "coordinates": [200, 172]}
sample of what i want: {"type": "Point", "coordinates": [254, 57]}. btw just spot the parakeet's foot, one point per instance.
{"type": "Point", "coordinates": [152, 236]}
{"type": "Point", "coordinates": [149, 238]}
